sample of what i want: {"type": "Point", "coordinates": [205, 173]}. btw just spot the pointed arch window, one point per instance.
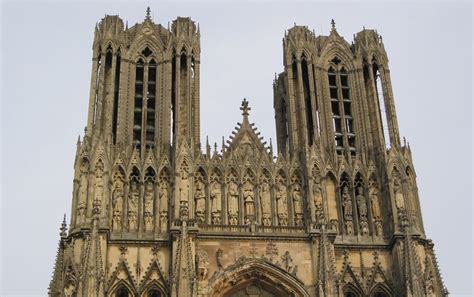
{"type": "Point", "coordinates": [153, 293]}
{"type": "Point", "coordinates": [341, 107]}
{"type": "Point", "coordinates": [138, 106]}
{"type": "Point", "coordinates": [144, 120]}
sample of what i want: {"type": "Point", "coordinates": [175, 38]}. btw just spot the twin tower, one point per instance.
{"type": "Point", "coordinates": [333, 211]}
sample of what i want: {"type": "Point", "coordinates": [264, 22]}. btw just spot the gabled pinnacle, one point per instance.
{"type": "Point", "coordinates": [63, 228]}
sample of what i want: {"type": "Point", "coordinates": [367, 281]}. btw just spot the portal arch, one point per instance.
{"type": "Point", "coordinates": [250, 277]}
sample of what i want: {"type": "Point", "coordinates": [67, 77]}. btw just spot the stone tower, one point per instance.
{"type": "Point", "coordinates": [335, 213]}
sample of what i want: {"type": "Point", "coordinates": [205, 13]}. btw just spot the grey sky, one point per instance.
{"type": "Point", "coordinates": [46, 55]}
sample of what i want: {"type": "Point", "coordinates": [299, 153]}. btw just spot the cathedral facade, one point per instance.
{"type": "Point", "coordinates": [332, 211]}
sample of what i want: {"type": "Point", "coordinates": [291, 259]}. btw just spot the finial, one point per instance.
{"type": "Point", "coordinates": [85, 129]}
{"type": "Point", "coordinates": [148, 12]}
{"type": "Point", "coordinates": [223, 145]}
{"type": "Point", "coordinates": [333, 25]}
{"type": "Point", "coordinates": [78, 140]}
{"type": "Point", "coordinates": [63, 228]}
{"type": "Point", "coordinates": [404, 141]}
{"type": "Point", "coordinates": [215, 147]}
{"type": "Point", "coordinates": [294, 23]}
{"type": "Point", "coordinates": [245, 107]}
{"type": "Point", "coordinates": [126, 25]}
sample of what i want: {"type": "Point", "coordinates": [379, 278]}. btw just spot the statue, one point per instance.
{"type": "Point", "coordinates": [296, 195]}
{"type": "Point", "coordinates": [216, 197]}
{"type": "Point", "coordinates": [374, 200]}
{"type": "Point", "coordinates": [202, 261]}
{"type": "Point", "coordinates": [265, 200]}
{"type": "Point", "coordinates": [200, 200]}
{"type": "Point", "coordinates": [248, 201]}
{"type": "Point", "coordinates": [83, 187]}
{"type": "Point", "coordinates": [149, 199]}
{"type": "Point", "coordinates": [98, 190]}
{"type": "Point", "coordinates": [133, 198]}
{"type": "Point", "coordinates": [117, 201]}
{"type": "Point", "coordinates": [163, 200]}
{"type": "Point", "coordinates": [282, 206]}
{"type": "Point", "coordinates": [233, 203]}
{"type": "Point", "coordinates": [361, 203]}
{"type": "Point", "coordinates": [397, 189]}
{"type": "Point", "coordinates": [183, 185]}
{"type": "Point", "coordinates": [347, 203]}
{"type": "Point", "coordinates": [318, 201]}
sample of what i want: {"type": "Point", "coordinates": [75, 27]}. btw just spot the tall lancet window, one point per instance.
{"type": "Point", "coordinates": [138, 106]}
{"type": "Point", "coordinates": [150, 104]}
{"type": "Point", "coordinates": [341, 107]}
{"type": "Point", "coordinates": [118, 61]}
{"type": "Point", "coordinates": [307, 99]}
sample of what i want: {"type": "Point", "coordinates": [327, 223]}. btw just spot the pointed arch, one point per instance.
{"type": "Point", "coordinates": [352, 290]}
{"type": "Point", "coordinates": [381, 290]}
{"type": "Point", "coordinates": [122, 289]}
{"type": "Point", "coordinates": [256, 272]}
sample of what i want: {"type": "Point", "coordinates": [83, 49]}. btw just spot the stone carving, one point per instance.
{"type": "Point", "coordinates": [163, 196]}
{"type": "Point", "coordinates": [378, 228]}
{"type": "Point", "coordinates": [82, 195]}
{"type": "Point", "coordinates": [282, 206]}
{"type": "Point", "coordinates": [349, 228]}
{"type": "Point", "coordinates": [117, 201]}
{"type": "Point", "coordinates": [297, 200]}
{"type": "Point", "coordinates": [200, 200]}
{"type": "Point", "coordinates": [183, 183]}
{"type": "Point", "coordinates": [149, 202]}
{"type": "Point", "coordinates": [202, 264]}
{"type": "Point", "coordinates": [219, 259]}
{"type": "Point", "coordinates": [249, 204]}
{"type": "Point", "coordinates": [318, 201]}
{"type": "Point", "coordinates": [133, 198]}
{"type": "Point", "coordinates": [233, 203]}
{"type": "Point", "coordinates": [216, 197]}
{"type": "Point", "coordinates": [361, 203]}
{"type": "Point", "coordinates": [374, 201]}
{"type": "Point", "coordinates": [98, 189]}
{"type": "Point", "coordinates": [397, 189]}
{"type": "Point", "coordinates": [184, 210]}
{"type": "Point", "coordinates": [271, 251]}
{"type": "Point", "coordinates": [364, 227]}
{"type": "Point", "coordinates": [347, 203]}
{"type": "Point", "coordinates": [265, 200]}
{"type": "Point", "coordinates": [287, 261]}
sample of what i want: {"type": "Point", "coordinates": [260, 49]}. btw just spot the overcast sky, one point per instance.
{"type": "Point", "coordinates": [46, 55]}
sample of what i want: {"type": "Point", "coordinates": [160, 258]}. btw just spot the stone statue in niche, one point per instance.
{"type": "Point", "coordinates": [233, 201]}
{"type": "Point", "coordinates": [361, 203]}
{"type": "Point", "coordinates": [347, 203]}
{"type": "Point", "coordinates": [378, 228]}
{"type": "Point", "coordinates": [216, 197]}
{"type": "Point", "coordinates": [318, 199]}
{"type": "Point", "coordinates": [282, 204]}
{"type": "Point", "coordinates": [200, 200]}
{"type": "Point", "coordinates": [133, 198]}
{"type": "Point", "coordinates": [183, 185]}
{"type": "Point", "coordinates": [98, 189]}
{"type": "Point", "coordinates": [374, 201]}
{"type": "Point", "coordinates": [163, 196]}
{"type": "Point", "coordinates": [248, 201]}
{"type": "Point", "coordinates": [397, 189]}
{"type": "Point", "coordinates": [82, 196]}
{"type": "Point", "coordinates": [117, 202]}
{"type": "Point", "coordinates": [149, 202]}
{"type": "Point", "coordinates": [297, 200]}
{"type": "Point", "coordinates": [202, 261]}
{"type": "Point", "coordinates": [265, 200]}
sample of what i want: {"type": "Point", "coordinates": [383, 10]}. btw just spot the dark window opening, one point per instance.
{"type": "Point", "coordinates": [116, 96]}
{"type": "Point", "coordinates": [154, 293]}
{"type": "Point", "coordinates": [122, 292]}
{"type": "Point", "coordinates": [307, 99]}
{"type": "Point", "coordinates": [173, 98]}
{"type": "Point", "coordinates": [150, 104]}
{"type": "Point", "coordinates": [146, 52]}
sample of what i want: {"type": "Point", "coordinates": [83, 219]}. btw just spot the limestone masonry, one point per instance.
{"type": "Point", "coordinates": [333, 211]}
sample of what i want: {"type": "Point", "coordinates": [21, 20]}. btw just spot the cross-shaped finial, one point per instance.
{"type": "Point", "coordinates": [245, 107]}
{"type": "Point", "coordinates": [63, 228]}
{"type": "Point", "coordinates": [148, 12]}
{"type": "Point", "coordinates": [333, 24]}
